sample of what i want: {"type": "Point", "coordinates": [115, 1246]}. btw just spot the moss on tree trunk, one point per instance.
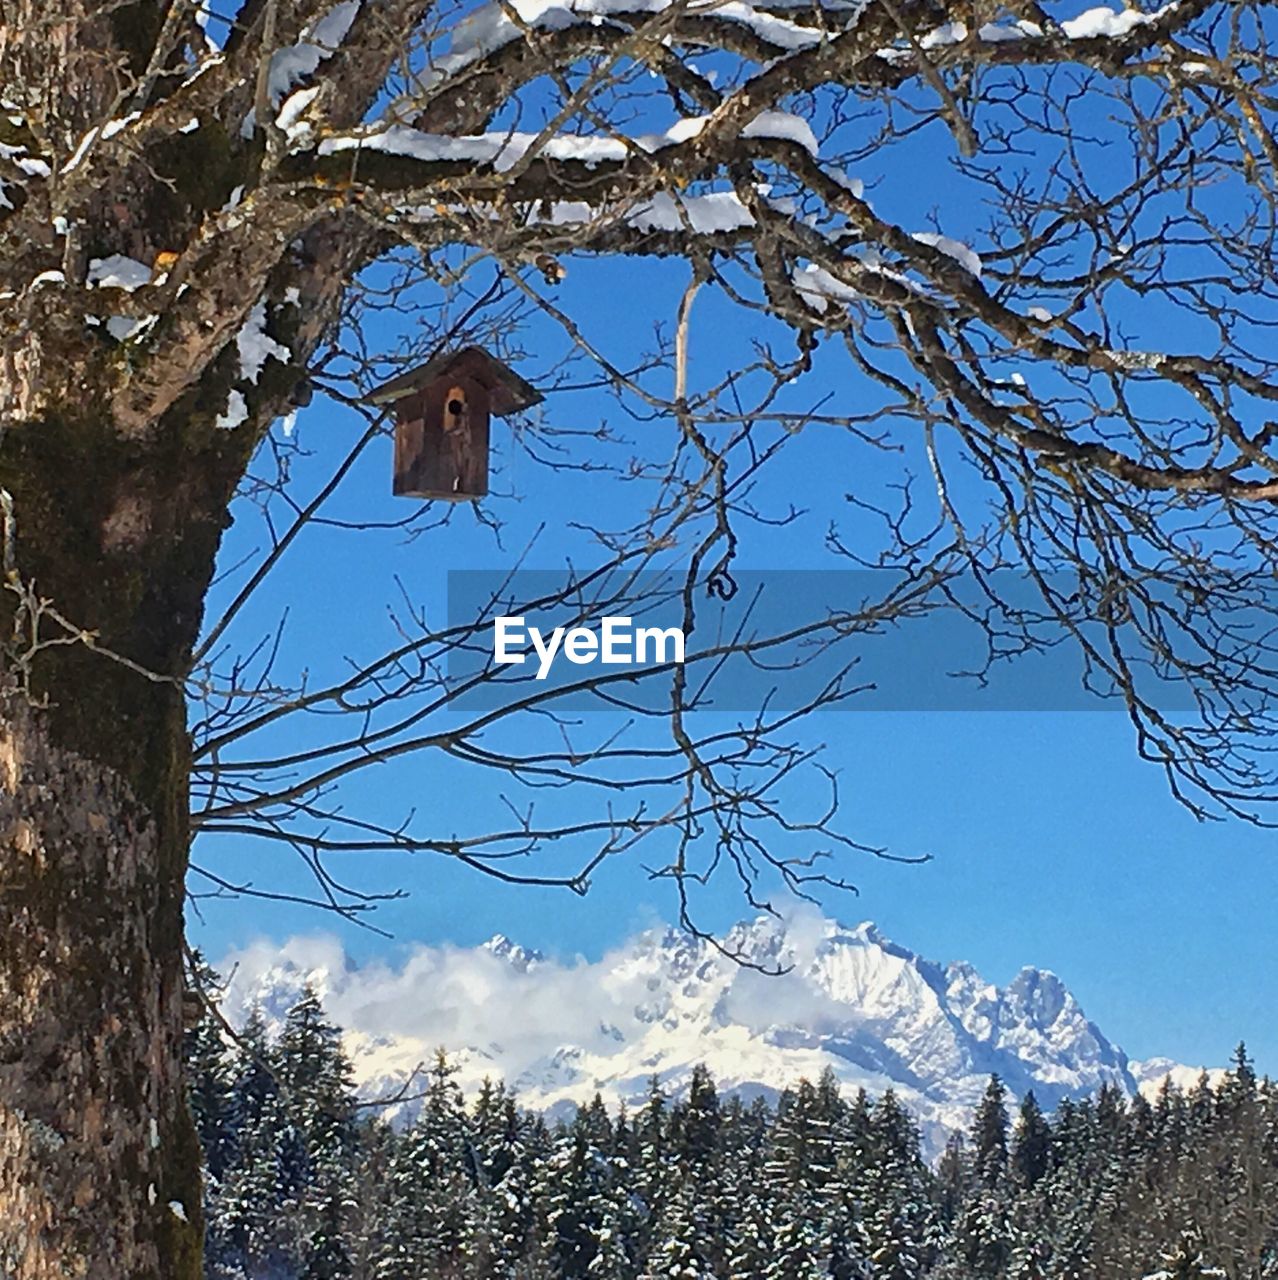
{"type": "Point", "coordinates": [99, 1167]}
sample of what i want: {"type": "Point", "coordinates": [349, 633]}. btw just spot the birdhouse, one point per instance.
{"type": "Point", "coordinates": [441, 422]}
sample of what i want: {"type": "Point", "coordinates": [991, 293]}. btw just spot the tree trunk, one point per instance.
{"type": "Point", "coordinates": [99, 1164]}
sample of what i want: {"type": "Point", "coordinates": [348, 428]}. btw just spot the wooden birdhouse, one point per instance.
{"type": "Point", "coordinates": [441, 422]}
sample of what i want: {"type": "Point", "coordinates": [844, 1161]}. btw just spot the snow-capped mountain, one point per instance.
{"type": "Point", "coordinates": [847, 998]}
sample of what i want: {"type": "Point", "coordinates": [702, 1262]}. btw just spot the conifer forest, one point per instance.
{"type": "Point", "coordinates": [305, 1182]}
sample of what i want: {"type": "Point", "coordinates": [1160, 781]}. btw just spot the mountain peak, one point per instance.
{"type": "Point", "coordinates": [523, 959]}
{"type": "Point", "coordinates": [813, 993]}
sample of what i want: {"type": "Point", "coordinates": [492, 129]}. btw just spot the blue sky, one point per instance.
{"type": "Point", "coordinates": [1050, 843]}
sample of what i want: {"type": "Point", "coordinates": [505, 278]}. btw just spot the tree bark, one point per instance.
{"type": "Point", "coordinates": [99, 1162]}
{"type": "Point", "coordinates": [98, 1168]}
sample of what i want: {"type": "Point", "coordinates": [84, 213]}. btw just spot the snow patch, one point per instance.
{"type": "Point", "coordinates": [854, 186]}
{"type": "Point", "coordinates": [235, 413]}
{"type": "Point", "coordinates": [289, 118]}
{"type": "Point", "coordinates": [956, 249]}
{"type": "Point", "coordinates": [782, 124]}
{"type": "Point", "coordinates": [256, 346]}
{"type": "Point", "coordinates": [117, 272]}
{"type": "Point", "coordinates": [818, 288]}
{"type": "Point", "coordinates": [504, 149]}
{"type": "Point", "coordinates": [951, 33]}
{"type": "Point", "coordinates": [492, 26]}
{"type": "Point", "coordinates": [124, 328]}
{"type": "Point", "coordinates": [718, 211]}
{"type": "Point", "coordinates": [1136, 360]}
{"type": "Point", "coordinates": [1103, 21]}
{"type": "Point", "coordinates": [289, 67]}
{"type": "Point", "coordinates": [112, 127]}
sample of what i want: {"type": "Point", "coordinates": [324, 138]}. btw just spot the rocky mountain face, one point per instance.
{"type": "Point", "coordinates": [807, 993]}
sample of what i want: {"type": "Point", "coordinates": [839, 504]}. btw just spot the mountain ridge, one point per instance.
{"type": "Point", "coordinates": [878, 1014]}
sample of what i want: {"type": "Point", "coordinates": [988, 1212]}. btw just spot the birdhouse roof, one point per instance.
{"type": "Point", "coordinates": [508, 392]}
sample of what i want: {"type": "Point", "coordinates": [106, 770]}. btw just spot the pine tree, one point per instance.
{"type": "Point", "coordinates": [577, 1192]}
{"type": "Point", "coordinates": [509, 1224]}
{"type": "Point", "coordinates": [653, 1165]}
{"type": "Point", "coordinates": [982, 1231]}
{"type": "Point", "coordinates": [1031, 1144]}
{"type": "Point", "coordinates": [815, 1189]}
{"type": "Point", "coordinates": [315, 1082]}
{"type": "Point", "coordinates": [989, 1135]}
{"type": "Point", "coordinates": [429, 1187]}
{"type": "Point", "coordinates": [953, 1178]}
{"type": "Point", "coordinates": [258, 1207]}
{"type": "Point", "coordinates": [800, 1250]}
{"type": "Point", "coordinates": [749, 1242]}
{"type": "Point", "coordinates": [898, 1228]}
{"type": "Point", "coordinates": [612, 1261]}
{"type": "Point", "coordinates": [679, 1242]}
{"type": "Point", "coordinates": [206, 1051]}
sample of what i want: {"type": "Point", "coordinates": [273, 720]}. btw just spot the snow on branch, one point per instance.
{"type": "Point", "coordinates": [291, 65]}
{"type": "Point", "coordinates": [503, 149]}
{"type": "Point", "coordinates": [496, 25]}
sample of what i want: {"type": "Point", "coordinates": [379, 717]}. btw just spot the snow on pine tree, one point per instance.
{"type": "Point", "coordinates": [655, 1170]}
{"type": "Point", "coordinates": [206, 1050]}
{"type": "Point", "coordinates": [578, 1191]}
{"type": "Point", "coordinates": [800, 1246]}
{"type": "Point", "coordinates": [430, 1187]}
{"type": "Point", "coordinates": [258, 1202]}
{"type": "Point", "coordinates": [898, 1226]}
{"type": "Point", "coordinates": [612, 1260]}
{"type": "Point", "coordinates": [749, 1245]}
{"type": "Point", "coordinates": [314, 1079]}
{"type": "Point", "coordinates": [981, 1231]}
{"type": "Point", "coordinates": [1031, 1143]}
{"type": "Point", "coordinates": [1186, 1262]}
{"type": "Point", "coordinates": [680, 1243]}
{"type": "Point", "coordinates": [745, 1209]}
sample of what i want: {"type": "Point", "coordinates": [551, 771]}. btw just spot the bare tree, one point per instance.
{"type": "Point", "coordinates": [200, 208]}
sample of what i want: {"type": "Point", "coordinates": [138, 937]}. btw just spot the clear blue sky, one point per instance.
{"type": "Point", "coordinates": [1051, 843]}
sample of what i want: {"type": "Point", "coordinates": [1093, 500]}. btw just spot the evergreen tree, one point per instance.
{"type": "Point", "coordinates": [654, 1172]}
{"type": "Point", "coordinates": [314, 1077]}
{"type": "Point", "coordinates": [704, 1189]}
{"type": "Point", "coordinates": [982, 1230]}
{"type": "Point", "coordinates": [428, 1188]}
{"type": "Point", "coordinates": [749, 1245]}
{"type": "Point", "coordinates": [898, 1228]}
{"type": "Point", "coordinates": [1032, 1143]}
{"type": "Point", "coordinates": [680, 1241]}
{"type": "Point", "coordinates": [989, 1135]}
{"type": "Point", "coordinates": [799, 1249]}
{"type": "Point", "coordinates": [209, 1074]}
{"type": "Point", "coordinates": [953, 1178]}
{"type": "Point", "coordinates": [258, 1229]}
